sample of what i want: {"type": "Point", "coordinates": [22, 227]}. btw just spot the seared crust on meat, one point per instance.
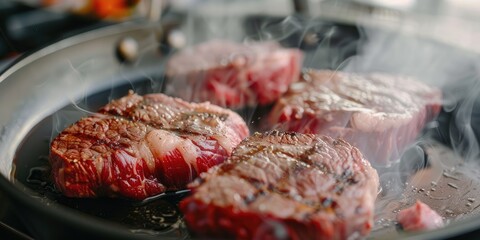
{"type": "Point", "coordinates": [140, 146]}
{"type": "Point", "coordinates": [303, 186]}
{"type": "Point", "coordinates": [378, 113]}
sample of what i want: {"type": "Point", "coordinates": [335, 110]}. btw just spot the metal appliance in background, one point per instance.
{"type": "Point", "coordinates": [31, 24]}
{"type": "Point", "coordinates": [25, 28]}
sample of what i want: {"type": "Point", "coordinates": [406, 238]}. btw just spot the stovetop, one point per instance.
{"type": "Point", "coordinates": [24, 28]}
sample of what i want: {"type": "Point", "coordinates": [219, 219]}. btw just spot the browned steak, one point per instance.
{"type": "Point", "coordinates": [380, 114]}
{"type": "Point", "coordinates": [143, 146]}
{"type": "Point", "coordinates": [285, 186]}
{"type": "Point", "coordinates": [233, 74]}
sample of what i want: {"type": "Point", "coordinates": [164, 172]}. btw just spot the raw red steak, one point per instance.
{"type": "Point", "coordinates": [142, 146]}
{"type": "Point", "coordinates": [380, 114]}
{"type": "Point", "coordinates": [233, 74]}
{"type": "Point", "coordinates": [285, 186]}
{"type": "Point", "coordinates": [419, 217]}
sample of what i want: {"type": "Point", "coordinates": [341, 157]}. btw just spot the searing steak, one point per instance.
{"type": "Point", "coordinates": [380, 114]}
{"type": "Point", "coordinates": [419, 217]}
{"type": "Point", "coordinates": [285, 186]}
{"type": "Point", "coordinates": [139, 146]}
{"type": "Point", "coordinates": [233, 74]}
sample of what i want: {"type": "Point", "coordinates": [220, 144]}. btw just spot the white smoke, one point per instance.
{"type": "Point", "coordinates": [420, 47]}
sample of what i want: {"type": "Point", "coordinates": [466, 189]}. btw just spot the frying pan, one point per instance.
{"type": "Point", "coordinates": [44, 91]}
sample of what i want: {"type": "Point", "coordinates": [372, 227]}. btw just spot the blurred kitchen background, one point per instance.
{"type": "Point", "coordinates": [26, 25]}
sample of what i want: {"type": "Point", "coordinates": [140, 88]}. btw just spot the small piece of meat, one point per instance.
{"type": "Point", "coordinates": [380, 114]}
{"type": "Point", "coordinates": [232, 74]}
{"type": "Point", "coordinates": [285, 186]}
{"type": "Point", "coordinates": [142, 146]}
{"type": "Point", "coordinates": [419, 217]}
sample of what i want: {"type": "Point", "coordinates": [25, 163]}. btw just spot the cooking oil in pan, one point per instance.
{"type": "Point", "coordinates": [442, 182]}
{"type": "Point", "coordinates": [156, 216]}
{"type": "Point", "coordinates": [447, 184]}
{"type": "Point", "coordinates": [159, 215]}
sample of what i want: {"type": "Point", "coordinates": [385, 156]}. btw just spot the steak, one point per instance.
{"type": "Point", "coordinates": [378, 113]}
{"type": "Point", "coordinates": [419, 217]}
{"type": "Point", "coordinates": [232, 74]}
{"type": "Point", "coordinates": [140, 146]}
{"type": "Point", "coordinates": [285, 186]}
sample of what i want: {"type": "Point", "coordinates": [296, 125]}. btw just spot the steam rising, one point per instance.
{"type": "Point", "coordinates": [453, 70]}
{"type": "Point", "coordinates": [79, 74]}
{"type": "Point", "coordinates": [421, 168]}
{"type": "Point", "coordinates": [395, 52]}
{"type": "Point", "coordinates": [398, 51]}
{"type": "Point", "coordinates": [282, 30]}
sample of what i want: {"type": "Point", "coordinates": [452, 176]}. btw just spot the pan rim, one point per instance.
{"type": "Point", "coordinates": [20, 193]}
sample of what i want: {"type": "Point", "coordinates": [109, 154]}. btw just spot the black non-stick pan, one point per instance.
{"type": "Point", "coordinates": [42, 92]}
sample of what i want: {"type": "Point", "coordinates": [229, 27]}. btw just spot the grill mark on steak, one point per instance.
{"type": "Point", "coordinates": [304, 163]}
{"type": "Point", "coordinates": [129, 150]}
{"type": "Point", "coordinates": [378, 113]}
{"type": "Point", "coordinates": [355, 90]}
{"type": "Point", "coordinates": [298, 180]}
{"type": "Point", "coordinates": [175, 115]}
{"type": "Point", "coordinates": [172, 119]}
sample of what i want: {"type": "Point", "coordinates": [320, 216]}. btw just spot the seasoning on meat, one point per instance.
{"type": "Point", "coordinates": [233, 74]}
{"type": "Point", "coordinates": [419, 217]}
{"type": "Point", "coordinates": [142, 146]}
{"type": "Point", "coordinates": [380, 114]}
{"type": "Point", "coordinates": [285, 186]}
